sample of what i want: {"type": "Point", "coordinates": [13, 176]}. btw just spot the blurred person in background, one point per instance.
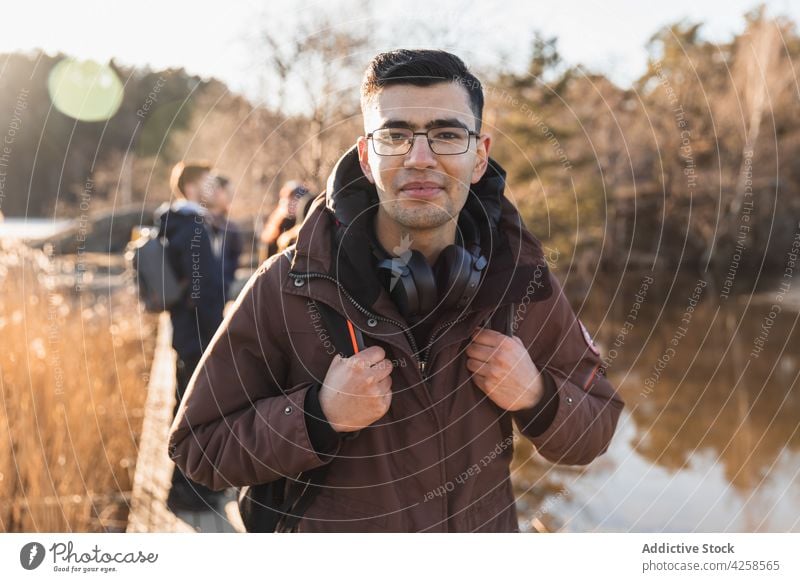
{"type": "Point", "coordinates": [227, 238]}
{"type": "Point", "coordinates": [187, 225]}
{"type": "Point", "coordinates": [289, 237]}
{"type": "Point", "coordinates": [283, 218]}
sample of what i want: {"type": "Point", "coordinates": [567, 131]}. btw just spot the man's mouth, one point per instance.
{"type": "Point", "coordinates": [421, 190]}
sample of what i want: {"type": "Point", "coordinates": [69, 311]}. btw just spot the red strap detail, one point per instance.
{"type": "Point", "coordinates": [591, 377]}
{"type": "Point", "coordinates": [352, 336]}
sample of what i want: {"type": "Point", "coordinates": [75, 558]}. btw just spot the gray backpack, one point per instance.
{"type": "Point", "coordinates": [159, 287]}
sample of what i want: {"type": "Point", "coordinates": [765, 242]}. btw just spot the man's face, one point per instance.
{"type": "Point", "coordinates": [422, 190]}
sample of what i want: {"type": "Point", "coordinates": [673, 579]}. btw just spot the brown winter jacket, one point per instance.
{"type": "Point", "coordinates": [438, 461]}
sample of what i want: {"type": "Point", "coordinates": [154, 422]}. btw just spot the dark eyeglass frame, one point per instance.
{"type": "Point", "coordinates": [414, 135]}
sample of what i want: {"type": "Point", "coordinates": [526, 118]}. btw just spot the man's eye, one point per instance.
{"type": "Point", "coordinates": [398, 136]}
{"type": "Point", "coordinates": [447, 134]}
{"type": "Point", "coordinates": [391, 137]}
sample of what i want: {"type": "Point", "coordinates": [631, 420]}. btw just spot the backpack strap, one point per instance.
{"type": "Point", "coordinates": [502, 319]}
{"type": "Point", "coordinates": [296, 504]}
{"type": "Point", "coordinates": [346, 337]}
{"type": "Point", "coordinates": [511, 323]}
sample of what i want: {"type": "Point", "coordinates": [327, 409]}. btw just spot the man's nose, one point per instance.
{"type": "Point", "coordinates": [420, 155]}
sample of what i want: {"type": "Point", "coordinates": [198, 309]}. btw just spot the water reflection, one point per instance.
{"type": "Point", "coordinates": [709, 439]}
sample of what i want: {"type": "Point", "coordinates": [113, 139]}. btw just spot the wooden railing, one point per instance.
{"type": "Point", "coordinates": [153, 475]}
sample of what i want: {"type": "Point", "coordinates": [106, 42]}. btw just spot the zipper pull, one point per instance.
{"type": "Point", "coordinates": [422, 368]}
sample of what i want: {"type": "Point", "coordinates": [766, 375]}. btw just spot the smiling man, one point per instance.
{"type": "Point", "coordinates": [465, 331]}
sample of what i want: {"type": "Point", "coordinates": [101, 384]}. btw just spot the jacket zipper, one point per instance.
{"type": "Point", "coordinates": [432, 339]}
{"type": "Point", "coordinates": [365, 311]}
{"type": "Point", "coordinates": [423, 363]}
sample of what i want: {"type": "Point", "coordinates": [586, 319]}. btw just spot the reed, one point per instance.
{"type": "Point", "coordinates": [73, 378]}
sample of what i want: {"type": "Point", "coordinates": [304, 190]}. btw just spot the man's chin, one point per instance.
{"type": "Point", "coordinates": [420, 218]}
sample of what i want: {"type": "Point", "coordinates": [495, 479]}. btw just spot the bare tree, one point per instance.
{"type": "Point", "coordinates": [759, 72]}
{"type": "Point", "coordinates": [315, 72]}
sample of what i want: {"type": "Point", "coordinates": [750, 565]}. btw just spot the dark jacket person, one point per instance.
{"type": "Point", "coordinates": [415, 429]}
{"type": "Point", "coordinates": [195, 319]}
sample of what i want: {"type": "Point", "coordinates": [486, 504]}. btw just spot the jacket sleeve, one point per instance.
{"type": "Point", "coordinates": [238, 423]}
{"type": "Point", "coordinates": [582, 403]}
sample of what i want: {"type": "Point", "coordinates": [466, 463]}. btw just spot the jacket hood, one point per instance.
{"type": "Point", "coordinates": [336, 237]}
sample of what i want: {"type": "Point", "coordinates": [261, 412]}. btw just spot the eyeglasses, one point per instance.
{"type": "Point", "coordinates": [444, 141]}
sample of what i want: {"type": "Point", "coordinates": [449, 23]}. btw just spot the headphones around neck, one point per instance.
{"type": "Point", "coordinates": [417, 288]}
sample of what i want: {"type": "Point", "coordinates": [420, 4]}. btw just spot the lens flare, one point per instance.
{"type": "Point", "coordinates": [85, 90]}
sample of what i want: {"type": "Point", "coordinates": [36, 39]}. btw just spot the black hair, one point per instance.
{"type": "Point", "coordinates": [422, 68]}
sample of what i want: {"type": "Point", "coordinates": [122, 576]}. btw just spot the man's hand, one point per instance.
{"type": "Point", "coordinates": [503, 369]}
{"type": "Point", "coordinates": [357, 391]}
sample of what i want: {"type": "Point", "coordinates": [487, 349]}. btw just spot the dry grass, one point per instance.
{"type": "Point", "coordinates": [73, 377]}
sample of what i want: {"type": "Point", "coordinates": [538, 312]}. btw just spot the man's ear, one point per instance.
{"type": "Point", "coordinates": [363, 158]}
{"type": "Point", "coordinates": [482, 157]}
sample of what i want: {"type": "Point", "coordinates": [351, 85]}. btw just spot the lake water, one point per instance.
{"type": "Point", "coordinates": [31, 228]}
{"type": "Point", "coordinates": [709, 439]}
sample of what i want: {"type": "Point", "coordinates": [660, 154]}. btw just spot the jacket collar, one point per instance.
{"type": "Point", "coordinates": [182, 206]}
{"type": "Point", "coordinates": [334, 239]}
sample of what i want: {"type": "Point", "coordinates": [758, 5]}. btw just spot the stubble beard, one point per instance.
{"type": "Point", "coordinates": [421, 215]}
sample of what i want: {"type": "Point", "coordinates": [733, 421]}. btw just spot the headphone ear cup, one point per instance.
{"type": "Point", "coordinates": [424, 284]}
{"type": "Point", "coordinates": [453, 269]}
{"type": "Point", "coordinates": [412, 286]}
